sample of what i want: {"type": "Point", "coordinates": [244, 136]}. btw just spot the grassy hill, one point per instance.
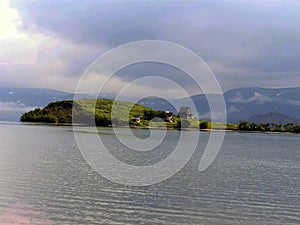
{"type": "Point", "coordinates": [89, 111]}
{"type": "Point", "coordinates": [105, 112]}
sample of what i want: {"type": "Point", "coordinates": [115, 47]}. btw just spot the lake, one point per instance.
{"type": "Point", "coordinates": [44, 179]}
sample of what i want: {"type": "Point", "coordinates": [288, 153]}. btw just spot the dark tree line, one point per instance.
{"type": "Point", "coordinates": [289, 127]}
{"type": "Point", "coordinates": [150, 114]}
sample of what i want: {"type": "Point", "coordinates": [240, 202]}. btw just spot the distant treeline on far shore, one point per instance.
{"type": "Point", "coordinates": [268, 127]}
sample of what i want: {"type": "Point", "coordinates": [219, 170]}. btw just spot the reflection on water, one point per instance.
{"type": "Point", "coordinates": [44, 180]}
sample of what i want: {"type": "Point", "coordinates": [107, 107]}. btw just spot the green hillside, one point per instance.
{"type": "Point", "coordinates": [89, 111]}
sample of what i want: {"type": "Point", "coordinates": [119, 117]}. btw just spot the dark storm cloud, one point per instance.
{"type": "Point", "coordinates": [240, 40]}
{"type": "Point", "coordinates": [112, 22]}
{"type": "Point", "coordinates": [147, 69]}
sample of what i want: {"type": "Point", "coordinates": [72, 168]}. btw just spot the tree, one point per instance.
{"type": "Point", "coordinates": [266, 126]}
{"type": "Point", "coordinates": [203, 125]}
{"type": "Point", "coordinates": [252, 127]}
{"type": "Point", "coordinates": [243, 125]}
{"type": "Point", "coordinates": [289, 127]}
{"type": "Point", "coordinates": [296, 129]}
{"type": "Point", "coordinates": [183, 123]}
{"type": "Point", "coordinates": [276, 127]}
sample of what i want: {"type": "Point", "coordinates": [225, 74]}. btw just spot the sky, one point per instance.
{"type": "Point", "coordinates": [245, 43]}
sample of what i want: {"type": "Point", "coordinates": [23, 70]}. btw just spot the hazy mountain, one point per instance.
{"type": "Point", "coordinates": [15, 101]}
{"type": "Point", "coordinates": [159, 104]}
{"type": "Point", "coordinates": [245, 102]}
{"type": "Point", "coordinates": [276, 118]}
{"type": "Point", "coordinates": [241, 103]}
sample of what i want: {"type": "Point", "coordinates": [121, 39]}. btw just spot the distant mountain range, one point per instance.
{"type": "Point", "coordinates": [15, 101]}
{"type": "Point", "coordinates": [275, 118]}
{"type": "Point", "coordinates": [241, 103]}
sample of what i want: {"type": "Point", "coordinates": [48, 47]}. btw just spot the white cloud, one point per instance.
{"type": "Point", "coordinates": [218, 116]}
{"type": "Point", "coordinates": [294, 102]}
{"type": "Point", "coordinates": [266, 3]}
{"type": "Point", "coordinates": [258, 98]}
{"type": "Point", "coordinates": [233, 109]}
{"type": "Point", "coordinates": [280, 93]}
{"type": "Point", "coordinates": [50, 62]}
{"type": "Point", "coordinates": [16, 47]}
{"type": "Point", "coordinates": [142, 87]}
{"type": "Point", "coordinates": [21, 50]}
{"type": "Point", "coordinates": [14, 107]}
{"type": "Point", "coordinates": [8, 19]}
{"type": "Point", "coordinates": [40, 58]}
{"type": "Point", "coordinates": [224, 70]}
{"type": "Point", "coordinates": [233, 36]}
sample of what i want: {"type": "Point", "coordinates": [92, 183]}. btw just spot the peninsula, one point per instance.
{"type": "Point", "coordinates": [106, 112]}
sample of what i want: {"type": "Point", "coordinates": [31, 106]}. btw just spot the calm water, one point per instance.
{"type": "Point", "coordinates": [44, 179]}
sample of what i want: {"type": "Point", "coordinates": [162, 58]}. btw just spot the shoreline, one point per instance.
{"type": "Point", "coordinates": [144, 127]}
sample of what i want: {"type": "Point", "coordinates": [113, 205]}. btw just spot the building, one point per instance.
{"type": "Point", "coordinates": [185, 112]}
{"type": "Point", "coordinates": [136, 119]}
{"type": "Point", "coordinates": [169, 116]}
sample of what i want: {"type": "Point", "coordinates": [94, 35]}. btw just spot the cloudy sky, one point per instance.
{"type": "Point", "coordinates": [50, 43]}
